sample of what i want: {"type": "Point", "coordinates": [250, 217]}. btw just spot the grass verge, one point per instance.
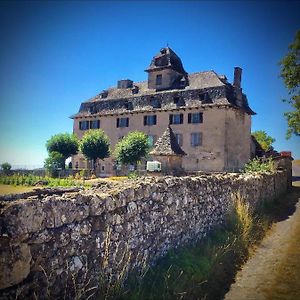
{"type": "Point", "coordinates": [207, 269]}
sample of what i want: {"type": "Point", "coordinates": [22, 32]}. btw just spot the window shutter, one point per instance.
{"type": "Point", "coordinates": [154, 119]}
{"type": "Point", "coordinates": [201, 117]}
{"type": "Point", "coordinates": [91, 124]}
{"type": "Point", "coordinates": [127, 122]}
{"type": "Point", "coordinates": [189, 118]}
{"type": "Point", "coordinates": [170, 119]}
{"type": "Point", "coordinates": [181, 118]}
{"type": "Point", "coordinates": [98, 123]}
{"type": "Point", "coordinates": [118, 122]}
{"type": "Point", "coordinates": [145, 120]}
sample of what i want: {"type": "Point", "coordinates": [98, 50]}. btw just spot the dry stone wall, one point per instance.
{"type": "Point", "coordinates": [52, 243]}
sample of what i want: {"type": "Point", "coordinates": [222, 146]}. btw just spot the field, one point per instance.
{"type": "Point", "coordinates": [10, 189]}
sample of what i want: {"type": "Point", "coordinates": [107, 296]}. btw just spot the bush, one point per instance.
{"type": "Point", "coordinates": [260, 165]}
{"type": "Point", "coordinates": [6, 167]}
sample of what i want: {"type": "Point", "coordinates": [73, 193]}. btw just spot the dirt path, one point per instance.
{"type": "Point", "coordinates": [273, 272]}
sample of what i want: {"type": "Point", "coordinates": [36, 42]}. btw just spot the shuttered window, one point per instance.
{"type": "Point", "coordinates": [122, 122]}
{"type": "Point", "coordinates": [84, 125]}
{"type": "Point", "coordinates": [150, 120]}
{"type": "Point", "coordinates": [194, 118]}
{"type": "Point", "coordinates": [176, 119]}
{"type": "Point", "coordinates": [95, 124]}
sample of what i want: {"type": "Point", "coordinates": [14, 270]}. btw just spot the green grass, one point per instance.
{"type": "Point", "coordinates": [32, 180]}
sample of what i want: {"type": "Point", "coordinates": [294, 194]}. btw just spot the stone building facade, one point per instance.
{"type": "Point", "coordinates": [209, 116]}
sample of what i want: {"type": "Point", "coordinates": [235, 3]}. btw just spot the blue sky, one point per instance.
{"type": "Point", "coordinates": [55, 55]}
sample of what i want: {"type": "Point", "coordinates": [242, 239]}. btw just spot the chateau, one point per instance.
{"type": "Point", "coordinates": [209, 117]}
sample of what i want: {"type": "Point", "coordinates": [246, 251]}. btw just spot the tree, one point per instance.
{"type": "Point", "coordinates": [94, 145]}
{"type": "Point", "coordinates": [290, 73]}
{"type": "Point", "coordinates": [263, 139]}
{"type": "Point", "coordinates": [54, 162]}
{"type": "Point", "coordinates": [132, 148]}
{"type": "Point", "coordinates": [64, 143]}
{"type": "Point", "coordinates": [6, 167]}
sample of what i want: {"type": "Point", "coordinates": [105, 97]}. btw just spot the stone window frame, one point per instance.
{"type": "Point", "coordinates": [122, 122]}
{"type": "Point", "coordinates": [150, 120]}
{"type": "Point", "coordinates": [195, 118]}
{"type": "Point", "coordinates": [196, 139]}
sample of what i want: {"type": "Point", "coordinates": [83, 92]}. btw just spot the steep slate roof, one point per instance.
{"type": "Point", "coordinates": [199, 80]}
{"type": "Point", "coordinates": [167, 144]}
{"type": "Point", "coordinates": [138, 97]}
{"type": "Point", "coordinates": [166, 58]}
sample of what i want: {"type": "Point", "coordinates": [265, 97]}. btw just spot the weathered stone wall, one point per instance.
{"type": "Point", "coordinates": [51, 243]}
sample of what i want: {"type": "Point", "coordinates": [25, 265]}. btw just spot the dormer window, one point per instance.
{"type": "Point", "coordinates": [135, 90]}
{"type": "Point", "coordinates": [176, 100]}
{"type": "Point", "coordinates": [204, 96]}
{"type": "Point", "coordinates": [158, 79]}
{"type": "Point", "coordinates": [128, 105]}
{"type": "Point", "coordinates": [155, 103]}
{"type": "Point", "coordinates": [104, 94]}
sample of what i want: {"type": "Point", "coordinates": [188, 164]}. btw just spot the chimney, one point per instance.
{"type": "Point", "coordinates": [237, 77]}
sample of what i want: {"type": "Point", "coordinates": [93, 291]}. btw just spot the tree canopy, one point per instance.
{"type": "Point", "coordinates": [64, 143]}
{"type": "Point", "coordinates": [132, 148]}
{"type": "Point", "coordinates": [290, 73]}
{"type": "Point", "coordinates": [263, 139]}
{"type": "Point", "coordinates": [53, 162]}
{"type": "Point", "coordinates": [94, 145]}
{"type": "Point", "coordinates": [6, 167]}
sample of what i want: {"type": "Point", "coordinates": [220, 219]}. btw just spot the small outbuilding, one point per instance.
{"type": "Point", "coordinates": [168, 152]}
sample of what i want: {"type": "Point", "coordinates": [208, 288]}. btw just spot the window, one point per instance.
{"type": "Point", "coordinates": [95, 124]}
{"type": "Point", "coordinates": [150, 120]}
{"type": "Point", "coordinates": [84, 125]}
{"type": "Point", "coordinates": [176, 119]}
{"type": "Point", "coordinates": [158, 79]}
{"type": "Point", "coordinates": [176, 100]}
{"type": "Point", "coordinates": [196, 139]}
{"type": "Point", "coordinates": [179, 138]}
{"type": "Point", "coordinates": [155, 103]}
{"type": "Point", "coordinates": [151, 140]}
{"type": "Point", "coordinates": [128, 105]}
{"type": "Point", "coordinates": [122, 122]}
{"type": "Point", "coordinates": [204, 96]}
{"type": "Point", "coordinates": [195, 118]}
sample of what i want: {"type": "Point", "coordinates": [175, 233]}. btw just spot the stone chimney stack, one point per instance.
{"type": "Point", "coordinates": [237, 77]}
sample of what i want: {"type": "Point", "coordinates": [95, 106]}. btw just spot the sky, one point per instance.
{"type": "Point", "coordinates": [55, 55]}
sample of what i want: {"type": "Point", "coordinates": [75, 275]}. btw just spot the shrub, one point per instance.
{"type": "Point", "coordinates": [260, 165]}
{"type": "Point", "coordinates": [6, 167]}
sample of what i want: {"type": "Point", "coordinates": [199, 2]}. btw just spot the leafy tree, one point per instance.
{"type": "Point", "coordinates": [132, 148]}
{"type": "Point", "coordinates": [64, 143]}
{"type": "Point", "coordinates": [6, 167]}
{"type": "Point", "coordinates": [54, 162]}
{"type": "Point", "coordinates": [94, 145]}
{"type": "Point", "coordinates": [263, 139]}
{"type": "Point", "coordinates": [290, 73]}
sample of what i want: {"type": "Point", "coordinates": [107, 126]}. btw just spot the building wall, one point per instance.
{"type": "Point", "coordinates": [210, 156]}
{"type": "Point", "coordinates": [48, 240]}
{"type": "Point", "coordinates": [237, 140]}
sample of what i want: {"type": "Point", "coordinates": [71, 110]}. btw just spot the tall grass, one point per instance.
{"type": "Point", "coordinates": [202, 271]}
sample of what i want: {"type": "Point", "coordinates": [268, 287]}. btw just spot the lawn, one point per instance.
{"type": "Point", "coordinates": [10, 189]}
